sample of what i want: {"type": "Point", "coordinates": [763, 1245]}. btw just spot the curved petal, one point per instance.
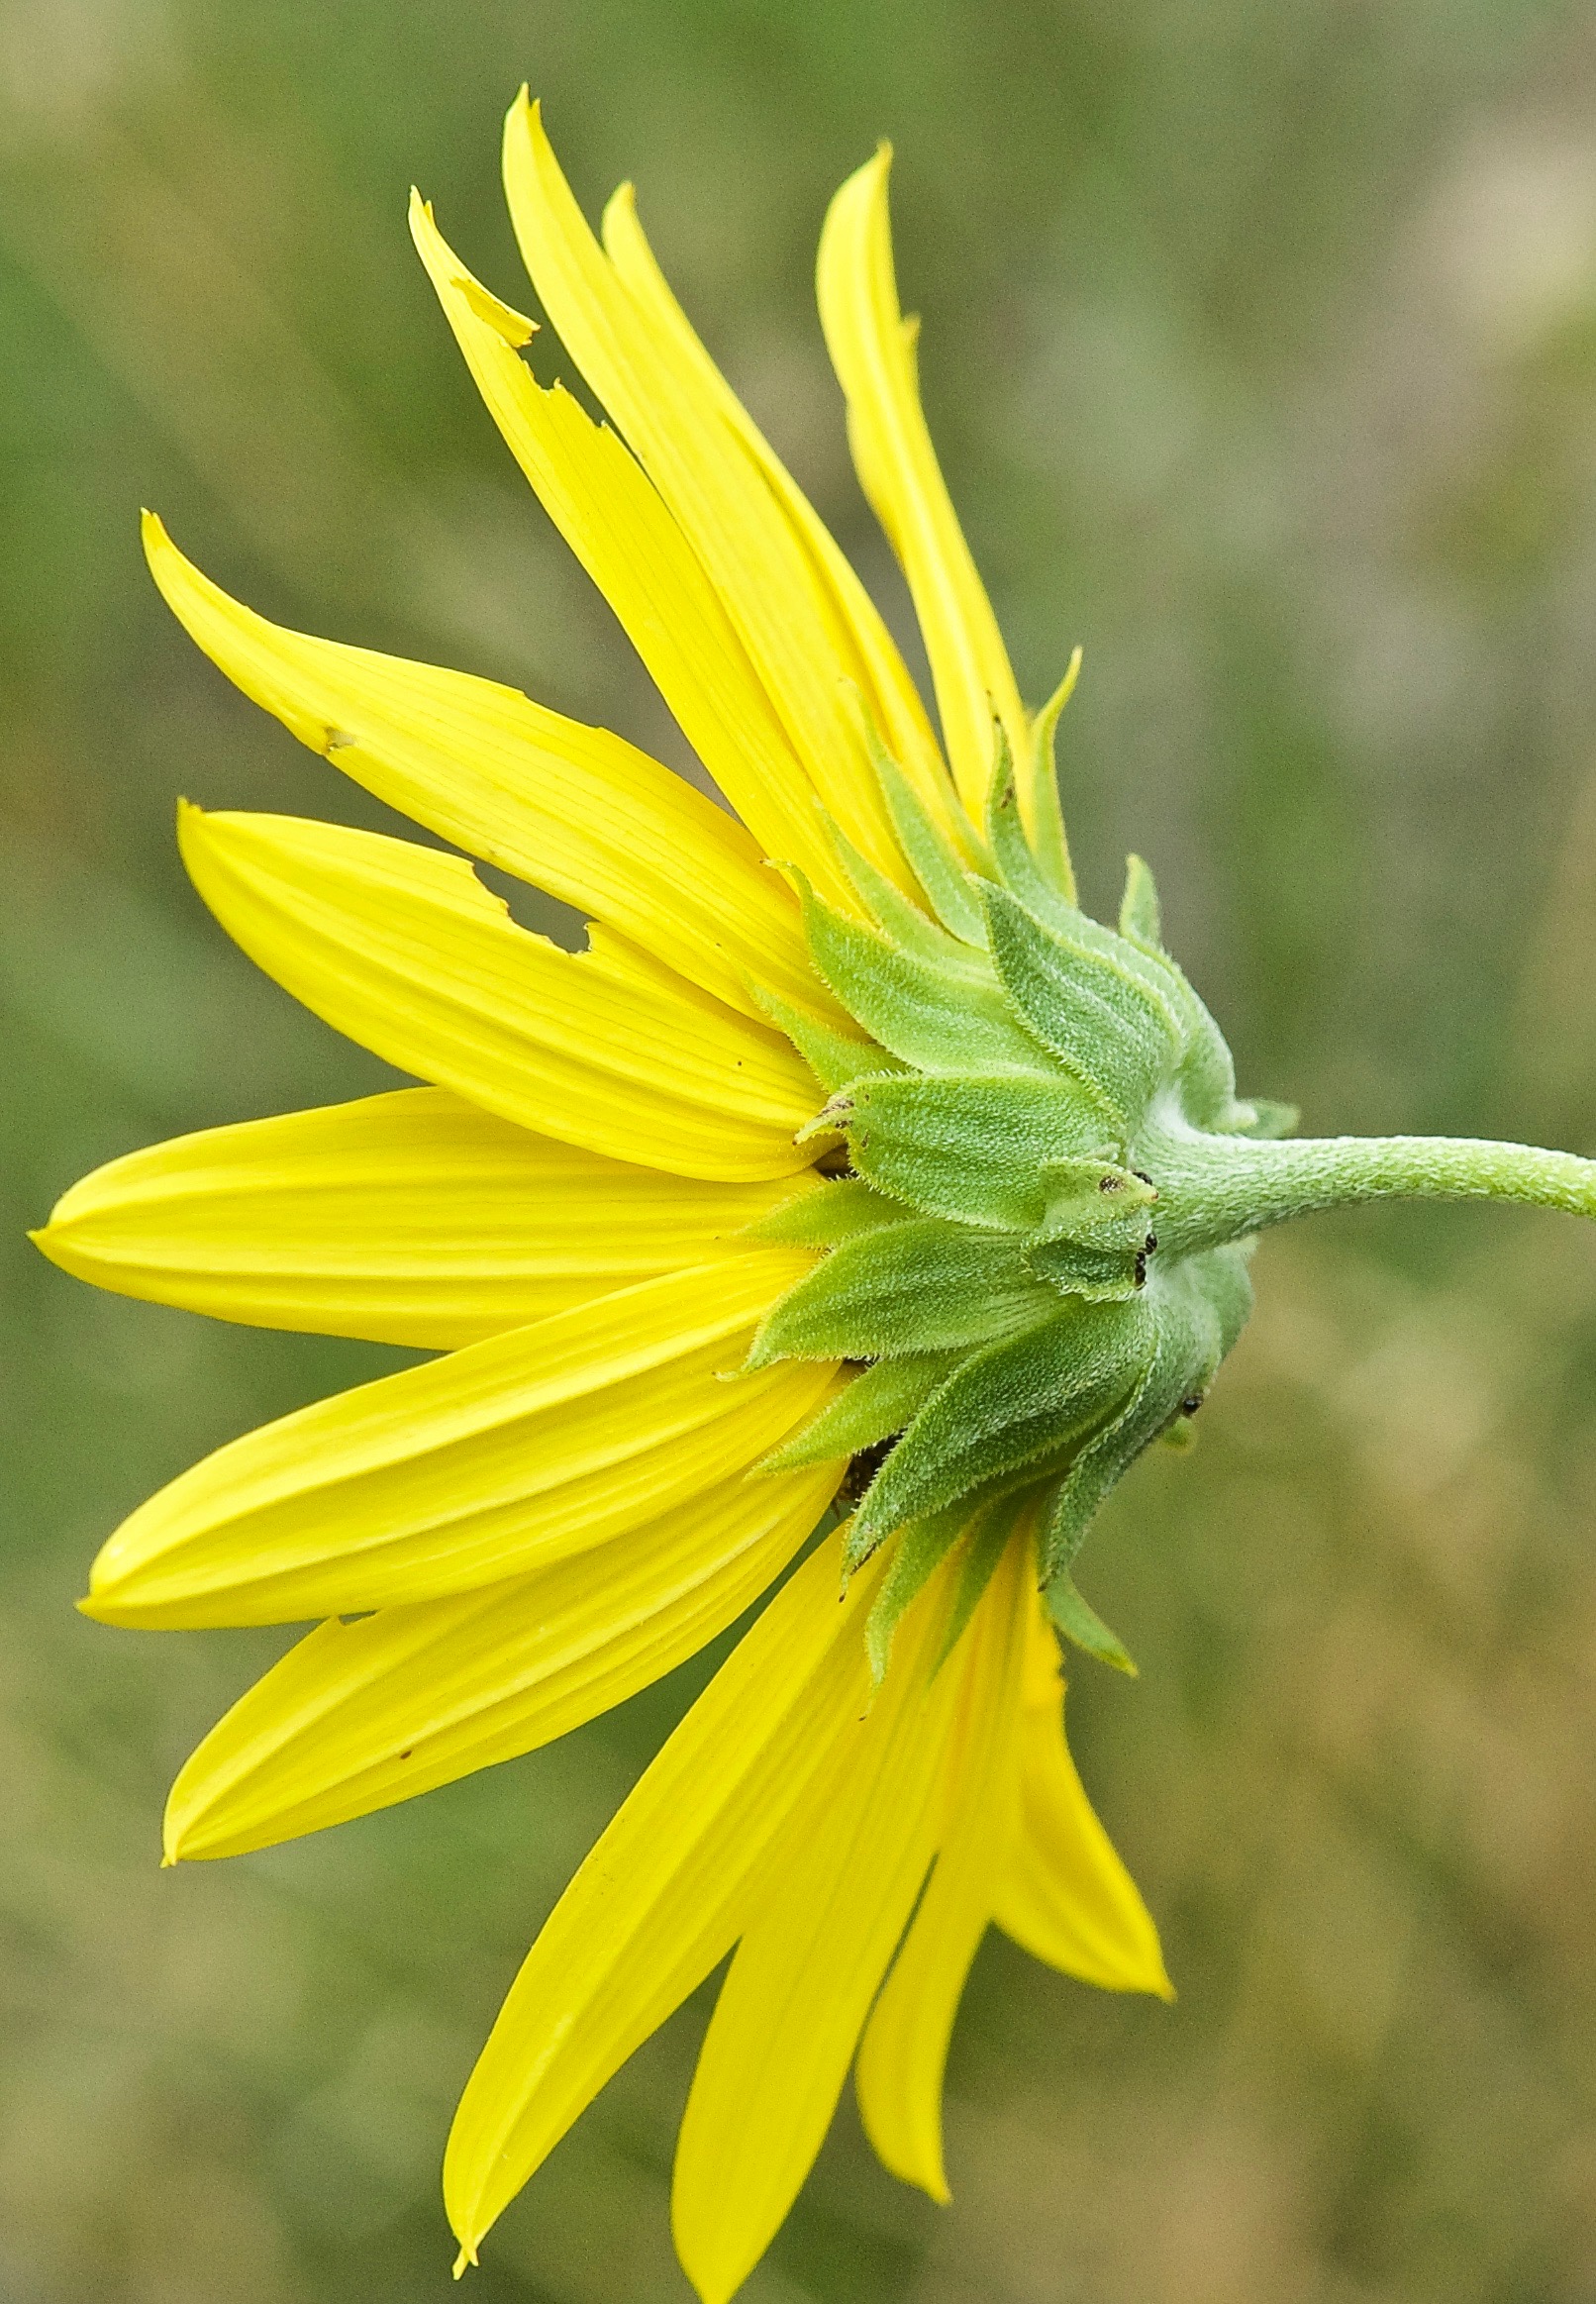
{"type": "Point", "coordinates": [410, 1218]}
{"type": "Point", "coordinates": [905, 2047]}
{"type": "Point", "coordinates": [872, 349]}
{"type": "Point", "coordinates": [611, 515]}
{"type": "Point", "coordinates": [404, 950]}
{"type": "Point", "coordinates": [360, 1715]}
{"type": "Point", "coordinates": [888, 692]}
{"type": "Point", "coordinates": [702, 465]}
{"type": "Point", "coordinates": [832, 1908]}
{"type": "Point", "coordinates": [574, 809]}
{"type": "Point", "coordinates": [667, 1889]}
{"type": "Point", "coordinates": [502, 1457]}
{"type": "Point", "coordinates": [1065, 1896]}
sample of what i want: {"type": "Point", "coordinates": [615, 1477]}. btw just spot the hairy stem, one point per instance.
{"type": "Point", "coordinates": [1217, 1188]}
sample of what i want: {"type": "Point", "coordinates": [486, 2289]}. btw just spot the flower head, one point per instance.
{"type": "Point", "coordinates": [885, 1194]}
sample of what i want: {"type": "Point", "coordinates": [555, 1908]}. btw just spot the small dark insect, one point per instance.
{"type": "Point", "coordinates": [863, 1467]}
{"type": "Point", "coordinates": [1150, 1242]}
{"type": "Point", "coordinates": [1142, 1267]}
{"type": "Point", "coordinates": [1190, 1405]}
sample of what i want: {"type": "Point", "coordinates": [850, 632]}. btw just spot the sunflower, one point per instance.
{"type": "Point", "coordinates": [881, 1203]}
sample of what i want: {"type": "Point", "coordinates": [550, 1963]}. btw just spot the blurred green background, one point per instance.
{"type": "Point", "coordinates": [1261, 342]}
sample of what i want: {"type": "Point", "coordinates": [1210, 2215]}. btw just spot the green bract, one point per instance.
{"type": "Point", "coordinates": [1046, 1195]}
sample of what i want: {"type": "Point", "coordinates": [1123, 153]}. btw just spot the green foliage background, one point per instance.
{"type": "Point", "coordinates": [1261, 344]}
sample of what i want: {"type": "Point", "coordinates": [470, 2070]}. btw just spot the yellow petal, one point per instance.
{"type": "Point", "coordinates": [665, 1891]}
{"type": "Point", "coordinates": [1065, 1896]}
{"type": "Point", "coordinates": [574, 809]}
{"type": "Point", "coordinates": [763, 570]}
{"type": "Point", "coordinates": [905, 2047]}
{"type": "Point", "coordinates": [360, 1715]}
{"type": "Point", "coordinates": [410, 1218]}
{"type": "Point", "coordinates": [502, 1457]}
{"type": "Point", "coordinates": [405, 949]}
{"type": "Point", "coordinates": [872, 349]}
{"type": "Point", "coordinates": [612, 519]}
{"type": "Point", "coordinates": [883, 678]}
{"type": "Point", "coordinates": [832, 1907]}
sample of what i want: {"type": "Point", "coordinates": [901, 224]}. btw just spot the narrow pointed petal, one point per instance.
{"type": "Point", "coordinates": [889, 693]}
{"type": "Point", "coordinates": [665, 1891]}
{"type": "Point", "coordinates": [362, 1714]}
{"type": "Point", "coordinates": [405, 951]}
{"type": "Point", "coordinates": [905, 2047]}
{"type": "Point", "coordinates": [1065, 1896]}
{"type": "Point", "coordinates": [832, 1908]}
{"type": "Point", "coordinates": [502, 1457]}
{"type": "Point", "coordinates": [411, 1218]}
{"type": "Point", "coordinates": [572, 809]}
{"type": "Point", "coordinates": [761, 569]}
{"type": "Point", "coordinates": [615, 521]}
{"type": "Point", "coordinates": [873, 351]}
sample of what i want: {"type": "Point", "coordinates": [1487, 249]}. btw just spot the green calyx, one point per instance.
{"type": "Point", "coordinates": [1046, 1195]}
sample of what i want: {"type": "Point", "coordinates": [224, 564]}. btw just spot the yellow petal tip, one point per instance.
{"type": "Point", "coordinates": [192, 827]}
{"type": "Point", "coordinates": [526, 112]}
{"type": "Point", "coordinates": [515, 327]}
{"type": "Point", "coordinates": [422, 223]}
{"type": "Point", "coordinates": [162, 555]}
{"type": "Point", "coordinates": [625, 196]}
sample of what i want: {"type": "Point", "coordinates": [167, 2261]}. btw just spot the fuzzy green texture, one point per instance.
{"type": "Point", "coordinates": [1038, 1243]}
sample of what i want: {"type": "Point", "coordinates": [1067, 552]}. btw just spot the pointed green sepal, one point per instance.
{"type": "Point", "coordinates": [975, 1147]}
{"type": "Point", "coordinates": [1099, 1203]}
{"type": "Point", "coordinates": [1196, 1313]}
{"type": "Point", "coordinates": [1015, 864]}
{"type": "Point", "coordinates": [914, 1287]}
{"type": "Point", "coordinates": [840, 1105]}
{"type": "Point", "coordinates": [1098, 1017]}
{"type": "Point", "coordinates": [903, 923]}
{"type": "Point", "coordinates": [1018, 1400]}
{"type": "Point", "coordinates": [832, 1057]}
{"type": "Point", "coordinates": [919, 1551]}
{"type": "Point", "coordinates": [1096, 1235]}
{"type": "Point", "coordinates": [1048, 826]}
{"type": "Point", "coordinates": [1096, 1275]}
{"type": "Point", "coordinates": [1140, 916]}
{"type": "Point", "coordinates": [1206, 1074]}
{"type": "Point", "coordinates": [880, 1402]}
{"type": "Point", "coordinates": [941, 870]}
{"type": "Point", "coordinates": [932, 1017]}
{"type": "Point", "coordinates": [1084, 1627]}
{"type": "Point", "coordinates": [821, 1219]}
{"type": "Point", "coordinates": [985, 1543]}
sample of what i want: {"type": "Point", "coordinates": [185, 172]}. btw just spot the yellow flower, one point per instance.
{"type": "Point", "coordinates": [604, 1189]}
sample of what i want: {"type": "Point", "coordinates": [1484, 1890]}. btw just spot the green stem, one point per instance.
{"type": "Point", "coordinates": [1217, 1188]}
